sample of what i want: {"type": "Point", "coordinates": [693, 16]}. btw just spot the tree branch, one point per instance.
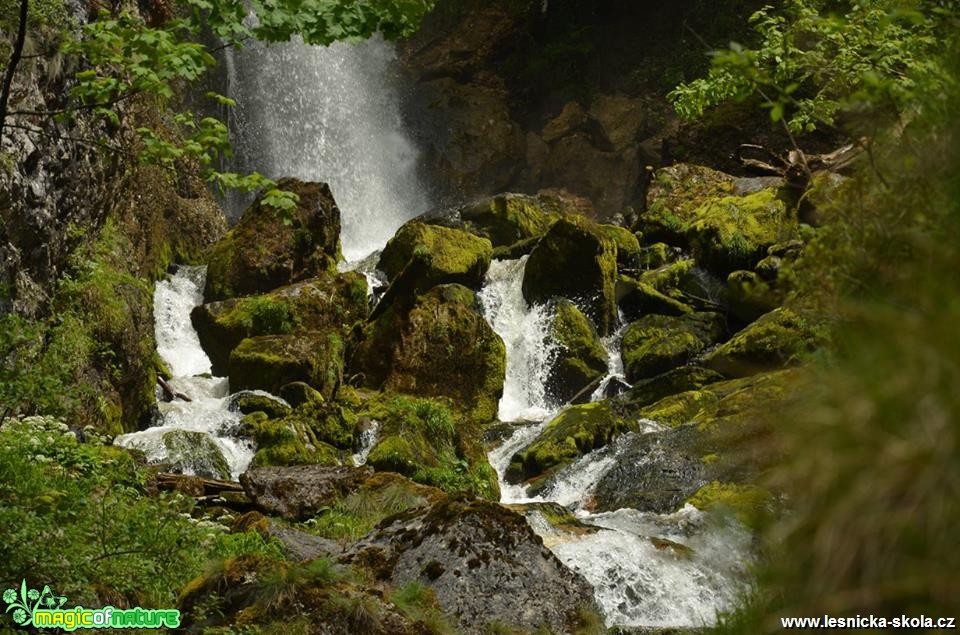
{"type": "Point", "coordinates": [14, 61]}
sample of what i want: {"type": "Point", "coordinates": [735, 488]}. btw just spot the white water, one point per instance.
{"type": "Point", "coordinates": [368, 438]}
{"type": "Point", "coordinates": [208, 411]}
{"type": "Point", "coordinates": [635, 583]}
{"type": "Point", "coordinates": [615, 371]}
{"type": "Point", "coordinates": [524, 331]}
{"type": "Point", "coordinates": [330, 114]}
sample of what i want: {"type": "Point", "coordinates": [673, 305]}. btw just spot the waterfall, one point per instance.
{"type": "Point", "coordinates": [647, 570]}
{"type": "Point", "coordinates": [208, 411]}
{"type": "Point", "coordinates": [330, 114]}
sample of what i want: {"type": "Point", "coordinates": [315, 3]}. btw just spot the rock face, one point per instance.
{"type": "Point", "coordinates": [656, 343]}
{"type": "Point", "coordinates": [483, 563]}
{"type": "Point", "coordinates": [269, 362]}
{"type": "Point", "coordinates": [580, 359]}
{"type": "Point", "coordinates": [441, 347]}
{"type": "Point", "coordinates": [329, 303]}
{"type": "Point", "coordinates": [507, 219]}
{"type": "Point", "coordinates": [302, 491]}
{"type": "Point", "coordinates": [269, 248]}
{"type": "Point", "coordinates": [575, 260]}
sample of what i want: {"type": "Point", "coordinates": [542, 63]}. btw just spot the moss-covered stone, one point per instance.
{"type": "Point", "coordinates": [298, 393]}
{"type": "Point", "coordinates": [250, 402]}
{"type": "Point", "coordinates": [637, 299]}
{"type": "Point", "coordinates": [271, 361]}
{"type": "Point", "coordinates": [448, 255]}
{"type": "Point", "coordinates": [580, 357]}
{"type": "Point", "coordinates": [779, 338]}
{"type": "Point", "coordinates": [678, 409]}
{"type": "Point", "coordinates": [649, 391]}
{"type": "Point", "coordinates": [673, 197]}
{"type": "Point", "coordinates": [196, 453]}
{"type": "Point", "coordinates": [628, 247]}
{"type": "Point", "coordinates": [328, 303]}
{"type": "Point", "coordinates": [573, 433]}
{"type": "Point", "coordinates": [506, 219]}
{"type": "Point", "coordinates": [269, 247]}
{"type": "Point", "coordinates": [575, 260]}
{"type": "Point", "coordinates": [734, 232]}
{"type": "Point", "coordinates": [657, 255]}
{"type": "Point", "coordinates": [441, 347]}
{"type": "Point", "coordinates": [670, 277]}
{"type": "Point", "coordinates": [656, 343]}
{"type": "Point", "coordinates": [287, 441]}
{"type": "Point", "coordinates": [428, 441]}
{"type": "Point", "coordinates": [749, 296]}
{"type": "Point", "coordinates": [753, 506]}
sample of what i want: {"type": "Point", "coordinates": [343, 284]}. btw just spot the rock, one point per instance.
{"type": "Point", "coordinates": [287, 441]}
{"type": "Point", "coordinates": [732, 232]}
{"type": "Point", "coordinates": [655, 344]}
{"type": "Point", "coordinates": [779, 338]}
{"type": "Point", "coordinates": [299, 393]}
{"type": "Point", "coordinates": [749, 296]}
{"type": "Point", "coordinates": [649, 391]}
{"type": "Point", "coordinates": [301, 546]}
{"type": "Point", "coordinates": [637, 299]}
{"type": "Point", "coordinates": [674, 194]}
{"type": "Point", "coordinates": [751, 505]}
{"type": "Point", "coordinates": [656, 472]}
{"type": "Point", "coordinates": [427, 441]}
{"type": "Point", "coordinates": [672, 279]}
{"type": "Point", "coordinates": [623, 119]}
{"type": "Point", "coordinates": [628, 247]}
{"type": "Point", "coordinates": [269, 248]}
{"type": "Point", "coordinates": [441, 347]}
{"type": "Point", "coordinates": [571, 434]}
{"type": "Point", "coordinates": [328, 303]}
{"type": "Point", "coordinates": [195, 453]}
{"type": "Point", "coordinates": [472, 141]}
{"type": "Point", "coordinates": [575, 260]}
{"type": "Point", "coordinates": [301, 492]}
{"type": "Point", "coordinates": [507, 219]}
{"type": "Point", "coordinates": [271, 361]}
{"type": "Point", "coordinates": [483, 563]}
{"type": "Point", "coordinates": [580, 358]}
{"type": "Point", "coordinates": [657, 255]}
{"type": "Point", "coordinates": [247, 402]}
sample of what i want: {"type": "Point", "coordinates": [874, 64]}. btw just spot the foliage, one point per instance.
{"type": "Point", "coordinates": [815, 60]}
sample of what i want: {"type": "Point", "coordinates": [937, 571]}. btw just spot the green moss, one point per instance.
{"type": "Point", "coordinates": [195, 453]}
{"type": "Point", "coordinates": [669, 276]}
{"type": "Point", "coordinates": [779, 338]}
{"type": "Point", "coordinates": [749, 504]}
{"type": "Point", "coordinates": [272, 361]}
{"type": "Point", "coordinates": [510, 218]}
{"type": "Point", "coordinates": [678, 409]}
{"type": "Point", "coordinates": [581, 357]}
{"type": "Point", "coordinates": [250, 403]}
{"type": "Point", "coordinates": [573, 433]}
{"type": "Point", "coordinates": [637, 299]}
{"type": "Point", "coordinates": [656, 255]}
{"type": "Point", "coordinates": [628, 247]}
{"type": "Point", "coordinates": [450, 255]}
{"type": "Point", "coordinates": [674, 196]}
{"type": "Point", "coordinates": [656, 343]}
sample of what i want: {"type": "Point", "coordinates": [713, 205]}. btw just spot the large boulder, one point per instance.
{"type": "Point", "coordinates": [656, 343]}
{"type": "Point", "coordinates": [190, 452]}
{"type": "Point", "coordinates": [268, 362]}
{"type": "Point", "coordinates": [779, 338]}
{"type": "Point", "coordinates": [290, 440]}
{"type": "Point", "coordinates": [580, 358]}
{"type": "Point", "coordinates": [441, 347]}
{"type": "Point", "coordinates": [328, 303]}
{"type": "Point", "coordinates": [571, 434]}
{"type": "Point", "coordinates": [483, 562]}
{"type": "Point", "coordinates": [506, 219]}
{"type": "Point", "coordinates": [301, 492]}
{"type": "Point", "coordinates": [578, 261]}
{"type": "Point", "coordinates": [637, 299]}
{"type": "Point", "coordinates": [270, 247]}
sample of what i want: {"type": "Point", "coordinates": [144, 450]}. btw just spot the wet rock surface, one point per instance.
{"type": "Point", "coordinates": [300, 492]}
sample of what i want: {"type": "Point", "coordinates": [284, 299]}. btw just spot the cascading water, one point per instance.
{"type": "Point", "coordinates": [647, 570]}
{"type": "Point", "coordinates": [330, 114]}
{"type": "Point", "coordinates": [208, 410]}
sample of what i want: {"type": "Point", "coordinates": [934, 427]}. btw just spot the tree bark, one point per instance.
{"type": "Point", "coordinates": [15, 57]}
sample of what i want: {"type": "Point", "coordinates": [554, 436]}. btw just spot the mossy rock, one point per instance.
{"type": "Point", "coordinates": [269, 362]}
{"type": "Point", "coordinates": [649, 391]}
{"type": "Point", "coordinates": [249, 402]}
{"type": "Point", "coordinates": [441, 347]}
{"type": "Point", "coordinates": [287, 441]}
{"type": "Point", "coordinates": [298, 393]}
{"type": "Point", "coordinates": [680, 408]}
{"type": "Point", "coordinates": [637, 299]}
{"type": "Point", "coordinates": [656, 255]}
{"type": "Point", "coordinates": [431, 443]}
{"type": "Point", "coordinates": [656, 343]}
{"type": "Point", "coordinates": [628, 247]}
{"type": "Point", "coordinates": [580, 357]}
{"type": "Point", "coordinates": [670, 277]}
{"type": "Point", "coordinates": [195, 453]}
{"type": "Point", "coordinates": [578, 261]}
{"type": "Point", "coordinates": [674, 194]}
{"type": "Point", "coordinates": [269, 247]}
{"type": "Point", "coordinates": [507, 219]}
{"type": "Point", "coordinates": [779, 338]}
{"type": "Point", "coordinates": [749, 296]}
{"type": "Point", "coordinates": [447, 255]}
{"type": "Point", "coordinates": [751, 505]}
{"type": "Point", "coordinates": [328, 303]}
{"type": "Point", "coordinates": [571, 434]}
